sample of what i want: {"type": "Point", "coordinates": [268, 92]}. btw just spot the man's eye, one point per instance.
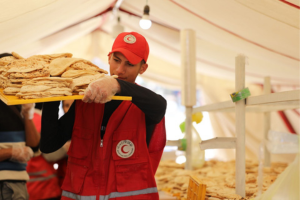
{"type": "Point", "coordinates": [131, 65]}
{"type": "Point", "coordinates": [116, 60]}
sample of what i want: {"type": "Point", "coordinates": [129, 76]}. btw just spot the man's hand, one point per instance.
{"type": "Point", "coordinates": [21, 154]}
{"type": "Point", "coordinates": [101, 90]}
{"type": "Point", "coordinates": [27, 111]}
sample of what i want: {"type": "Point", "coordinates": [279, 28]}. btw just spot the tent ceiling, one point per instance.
{"type": "Point", "coordinates": [267, 32]}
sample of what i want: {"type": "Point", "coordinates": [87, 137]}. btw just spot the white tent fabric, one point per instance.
{"type": "Point", "coordinates": [266, 31]}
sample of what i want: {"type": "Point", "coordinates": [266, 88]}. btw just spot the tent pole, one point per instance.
{"type": "Point", "coordinates": [240, 127]}
{"type": "Point", "coordinates": [188, 85]}
{"type": "Point", "coordinates": [267, 122]}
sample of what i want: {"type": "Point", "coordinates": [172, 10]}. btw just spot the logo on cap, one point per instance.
{"type": "Point", "coordinates": [125, 149]}
{"type": "Point", "coordinates": [130, 39]}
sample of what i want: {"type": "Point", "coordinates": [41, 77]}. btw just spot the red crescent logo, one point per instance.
{"type": "Point", "coordinates": [130, 39]}
{"type": "Point", "coordinates": [122, 149]}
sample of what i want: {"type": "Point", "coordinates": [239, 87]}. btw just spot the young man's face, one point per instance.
{"type": "Point", "coordinates": [126, 71]}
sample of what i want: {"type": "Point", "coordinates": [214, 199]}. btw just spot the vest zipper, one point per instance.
{"type": "Point", "coordinates": [101, 143]}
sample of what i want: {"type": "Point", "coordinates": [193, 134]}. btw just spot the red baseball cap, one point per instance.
{"type": "Point", "coordinates": [132, 45]}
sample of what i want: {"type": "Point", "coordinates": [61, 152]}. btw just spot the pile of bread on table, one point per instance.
{"type": "Point", "coordinates": [219, 178]}
{"type": "Point", "coordinates": [46, 75]}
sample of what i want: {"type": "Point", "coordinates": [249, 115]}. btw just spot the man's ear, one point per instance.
{"type": "Point", "coordinates": [143, 68]}
{"type": "Point", "coordinates": [109, 58]}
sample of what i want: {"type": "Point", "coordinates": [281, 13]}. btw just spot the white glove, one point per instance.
{"type": "Point", "coordinates": [27, 111]}
{"type": "Point", "coordinates": [101, 90]}
{"type": "Point", "coordinates": [21, 154]}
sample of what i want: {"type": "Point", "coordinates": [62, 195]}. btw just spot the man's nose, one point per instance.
{"type": "Point", "coordinates": [121, 68]}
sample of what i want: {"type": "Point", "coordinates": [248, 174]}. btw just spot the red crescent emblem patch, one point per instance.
{"type": "Point", "coordinates": [125, 148]}
{"type": "Point", "coordinates": [130, 39]}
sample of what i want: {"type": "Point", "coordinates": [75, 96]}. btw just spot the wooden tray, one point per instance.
{"type": "Point", "coordinates": [13, 100]}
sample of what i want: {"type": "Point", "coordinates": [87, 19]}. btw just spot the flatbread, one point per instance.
{"type": "Point", "coordinates": [14, 85]}
{"type": "Point", "coordinates": [59, 65]}
{"type": "Point", "coordinates": [50, 57]}
{"type": "Point", "coordinates": [44, 72]}
{"type": "Point", "coordinates": [34, 88]}
{"type": "Point", "coordinates": [6, 60]}
{"type": "Point", "coordinates": [25, 66]}
{"type": "Point", "coordinates": [3, 81]}
{"type": "Point", "coordinates": [57, 79]}
{"type": "Point", "coordinates": [11, 90]}
{"type": "Point", "coordinates": [17, 56]}
{"type": "Point", "coordinates": [84, 80]}
{"type": "Point", "coordinates": [18, 80]}
{"type": "Point", "coordinates": [77, 73]}
{"type": "Point", "coordinates": [86, 65]}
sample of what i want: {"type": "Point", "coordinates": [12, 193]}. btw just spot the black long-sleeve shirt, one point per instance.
{"type": "Point", "coordinates": [56, 132]}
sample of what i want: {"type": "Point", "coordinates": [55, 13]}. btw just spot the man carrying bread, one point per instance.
{"type": "Point", "coordinates": [116, 145]}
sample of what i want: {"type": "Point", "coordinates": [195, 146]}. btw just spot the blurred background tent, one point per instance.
{"type": "Point", "coordinates": [266, 31]}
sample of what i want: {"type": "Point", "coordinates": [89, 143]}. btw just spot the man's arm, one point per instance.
{"type": "Point", "coordinates": [153, 105]}
{"type": "Point", "coordinates": [55, 132]}
{"type": "Point", "coordinates": [102, 90]}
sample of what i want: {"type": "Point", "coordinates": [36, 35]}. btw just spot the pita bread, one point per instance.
{"type": "Point", "coordinates": [85, 80]}
{"type": "Point", "coordinates": [77, 73]}
{"type": "Point", "coordinates": [59, 65]}
{"type": "Point", "coordinates": [3, 81]}
{"type": "Point", "coordinates": [34, 88]}
{"type": "Point", "coordinates": [50, 56]}
{"type": "Point", "coordinates": [53, 92]}
{"type": "Point", "coordinates": [6, 60]}
{"type": "Point", "coordinates": [34, 74]}
{"type": "Point", "coordinates": [79, 90]}
{"type": "Point", "coordinates": [37, 95]}
{"type": "Point", "coordinates": [56, 79]}
{"type": "Point", "coordinates": [11, 90]}
{"type": "Point", "coordinates": [87, 65]}
{"type": "Point", "coordinates": [17, 56]}
{"type": "Point", "coordinates": [18, 80]}
{"type": "Point", "coordinates": [14, 85]}
{"type": "Point", "coordinates": [3, 68]}
{"type": "Point", "coordinates": [25, 66]}
{"type": "Point", "coordinates": [51, 83]}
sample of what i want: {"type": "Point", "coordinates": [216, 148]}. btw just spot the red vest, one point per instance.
{"type": "Point", "coordinates": [43, 182]}
{"type": "Point", "coordinates": [118, 166]}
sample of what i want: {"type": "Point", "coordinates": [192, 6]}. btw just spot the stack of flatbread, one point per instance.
{"type": "Point", "coordinates": [16, 70]}
{"type": "Point", "coordinates": [82, 72]}
{"type": "Point", "coordinates": [4, 67]}
{"type": "Point", "coordinates": [50, 57]}
{"type": "Point", "coordinates": [23, 70]}
{"type": "Point", "coordinates": [45, 87]}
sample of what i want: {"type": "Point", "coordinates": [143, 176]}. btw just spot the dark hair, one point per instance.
{"type": "Point", "coordinates": [5, 54]}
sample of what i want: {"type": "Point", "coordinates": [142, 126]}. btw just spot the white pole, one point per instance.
{"type": "Point", "coordinates": [188, 83]}
{"type": "Point", "coordinates": [240, 127]}
{"type": "Point", "coordinates": [267, 122]}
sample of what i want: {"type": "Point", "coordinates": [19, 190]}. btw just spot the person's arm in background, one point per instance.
{"type": "Point", "coordinates": [59, 154]}
{"type": "Point", "coordinates": [5, 154]}
{"type": "Point", "coordinates": [32, 137]}
{"type": "Point", "coordinates": [55, 132]}
{"type": "Point", "coordinates": [31, 134]}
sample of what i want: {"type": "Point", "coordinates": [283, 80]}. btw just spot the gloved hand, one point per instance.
{"type": "Point", "coordinates": [27, 111]}
{"type": "Point", "coordinates": [101, 90]}
{"type": "Point", "coordinates": [21, 154]}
